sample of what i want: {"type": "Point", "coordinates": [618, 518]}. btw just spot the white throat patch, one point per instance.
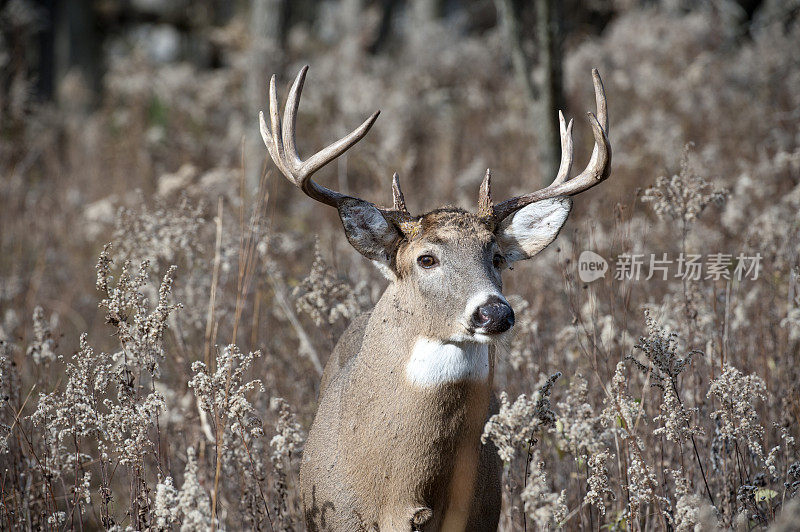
{"type": "Point", "coordinates": [434, 362]}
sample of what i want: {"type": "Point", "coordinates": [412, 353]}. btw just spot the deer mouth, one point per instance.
{"type": "Point", "coordinates": [488, 338]}
{"type": "Point", "coordinates": [482, 335]}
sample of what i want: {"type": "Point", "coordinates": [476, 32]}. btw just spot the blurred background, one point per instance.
{"type": "Point", "coordinates": [135, 122]}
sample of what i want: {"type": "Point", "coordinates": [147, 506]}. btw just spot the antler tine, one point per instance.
{"type": "Point", "coordinates": [290, 121]}
{"type": "Point", "coordinates": [280, 142]}
{"type": "Point", "coordinates": [335, 149]}
{"type": "Point", "coordinates": [602, 111]}
{"type": "Point", "coordinates": [270, 141]}
{"type": "Point", "coordinates": [275, 121]}
{"type": "Point", "coordinates": [485, 196]}
{"type": "Point", "coordinates": [600, 99]}
{"type": "Point", "coordinates": [398, 200]}
{"type": "Point", "coordinates": [566, 150]}
{"type": "Point", "coordinates": [596, 171]}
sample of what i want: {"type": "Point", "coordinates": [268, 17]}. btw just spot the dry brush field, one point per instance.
{"type": "Point", "coordinates": [165, 316]}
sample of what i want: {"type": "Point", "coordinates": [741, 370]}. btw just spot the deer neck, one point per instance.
{"type": "Point", "coordinates": [436, 383]}
{"type": "Point", "coordinates": [433, 414]}
{"type": "Point", "coordinates": [400, 336]}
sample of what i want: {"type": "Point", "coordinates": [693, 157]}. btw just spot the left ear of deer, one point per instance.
{"type": "Point", "coordinates": [531, 229]}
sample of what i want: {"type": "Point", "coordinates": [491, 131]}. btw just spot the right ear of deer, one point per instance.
{"type": "Point", "coordinates": [279, 139]}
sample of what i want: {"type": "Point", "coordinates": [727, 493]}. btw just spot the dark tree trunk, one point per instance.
{"type": "Point", "coordinates": [71, 39]}
{"type": "Point", "coordinates": [540, 77]}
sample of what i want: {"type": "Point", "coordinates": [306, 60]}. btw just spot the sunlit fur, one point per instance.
{"type": "Point", "coordinates": [412, 376]}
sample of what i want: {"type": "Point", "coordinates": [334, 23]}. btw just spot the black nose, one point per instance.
{"type": "Point", "coordinates": [493, 317]}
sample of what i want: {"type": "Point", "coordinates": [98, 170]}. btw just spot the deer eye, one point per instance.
{"type": "Point", "coordinates": [427, 261]}
{"type": "Point", "coordinates": [498, 260]}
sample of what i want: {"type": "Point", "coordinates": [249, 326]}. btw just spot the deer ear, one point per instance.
{"type": "Point", "coordinates": [368, 231]}
{"type": "Point", "coordinates": [529, 230]}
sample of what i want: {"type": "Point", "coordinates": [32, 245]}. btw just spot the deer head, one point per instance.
{"type": "Point", "coordinates": [444, 266]}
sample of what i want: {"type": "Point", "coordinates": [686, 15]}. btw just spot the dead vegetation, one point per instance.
{"type": "Point", "coordinates": [170, 386]}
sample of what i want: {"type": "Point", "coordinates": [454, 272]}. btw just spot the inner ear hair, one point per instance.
{"type": "Point", "coordinates": [532, 228]}
{"type": "Point", "coordinates": [368, 231]}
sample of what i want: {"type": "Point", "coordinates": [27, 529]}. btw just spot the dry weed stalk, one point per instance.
{"type": "Point", "coordinates": [100, 430]}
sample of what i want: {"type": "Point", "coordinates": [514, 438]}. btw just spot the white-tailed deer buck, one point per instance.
{"type": "Point", "coordinates": [396, 442]}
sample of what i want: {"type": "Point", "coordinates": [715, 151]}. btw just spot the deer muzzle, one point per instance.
{"type": "Point", "coordinates": [495, 316]}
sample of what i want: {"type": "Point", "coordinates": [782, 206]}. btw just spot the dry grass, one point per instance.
{"type": "Point", "coordinates": [170, 387]}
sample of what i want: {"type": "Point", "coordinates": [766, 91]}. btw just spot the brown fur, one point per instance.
{"type": "Point", "coordinates": [398, 452]}
{"type": "Point", "coordinates": [382, 451]}
{"type": "Point", "coordinates": [353, 475]}
{"type": "Point", "coordinates": [347, 347]}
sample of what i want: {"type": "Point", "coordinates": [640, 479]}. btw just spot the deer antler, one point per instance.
{"type": "Point", "coordinates": [399, 200]}
{"type": "Point", "coordinates": [280, 142]}
{"type": "Point", "coordinates": [596, 171]}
